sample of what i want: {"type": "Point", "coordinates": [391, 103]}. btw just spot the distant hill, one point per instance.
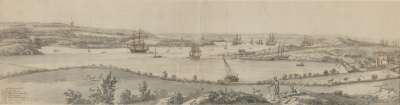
{"type": "Point", "coordinates": [69, 35]}
{"type": "Point", "coordinates": [38, 28]}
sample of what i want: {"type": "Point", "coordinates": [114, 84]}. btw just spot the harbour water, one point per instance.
{"type": "Point", "coordinates": [174, 61]}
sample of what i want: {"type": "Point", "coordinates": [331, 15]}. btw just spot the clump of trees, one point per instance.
{"type": "Point", "coordinates": [75, 97]}
{"type": "Point", "coordinates": [309, 75]}
{"type": "Point", "coordinates": [127, 97]}
{"type": "Point", "coordinates": [176, 99]}
{"type": "Point", "coordinates": [233, 97]}
{"type": "Point", "coordinates": [104, 93]}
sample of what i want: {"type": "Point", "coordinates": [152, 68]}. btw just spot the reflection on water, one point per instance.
{"type": "Point", "coordinates": [210, 67]}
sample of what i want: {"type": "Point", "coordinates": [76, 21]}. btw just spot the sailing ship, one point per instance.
{"type": "Point", "coordinates": [271, 41]}
{"type": "Point", "coordinates": [300, 64]}
{"type": "Point", "coordinates": [281, 53]}
{"type": "Point", "coordinates": [231, 76]}
{"type": "Point", "coordinates": [195, 52]}
{"type": "Point", "coordinates": [137, 45]}
{"type": "Point", "coordinates": [155, 54]}
{"type": "Point", "coordinates": [237, 40]}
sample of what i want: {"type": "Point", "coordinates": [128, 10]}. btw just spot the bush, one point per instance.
{"type": "Point", "coordinates": [339, 92]}
{"type": "Point", "coordinates": [374, 77]}
{"type": "Point", "coordinates": [326, 72]}
{"type": "Point", "coordinates": [103, 95]}
{"type": "Point", "coordinates": [75, 98]}
{"type": "Point", "coordinates": [285, 77]}
{"type": "Point", "coordinates": [144, 91]}
{"type": "Point", "coordinates": [173, 77]}
{"type": "Point", "coordinates": [127, 97]}
{"type": "Point", "coordinates": [333, 71]}
{"type": "Point", "coordinates": [105, 92]}
{"type": "Point", "coordinates": [176, 99]}
{"type": "Point", "coordinates": [232, 97]}
{"type": "Point", "coordinates": [194, 77]}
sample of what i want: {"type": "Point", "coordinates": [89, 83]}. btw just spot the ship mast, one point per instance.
{"type": "Point", "coordinates": [229, 69]}
{"type": "Point", "coordinates": [141, 41]}
{"type": "Point", "coordinates": [155, 51]}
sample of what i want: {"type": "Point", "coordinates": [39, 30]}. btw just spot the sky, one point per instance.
{"type": "Point", "coordinates": [373, 19]}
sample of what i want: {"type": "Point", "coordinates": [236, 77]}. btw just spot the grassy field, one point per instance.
{"type": "Point", "coordinates": [48, 87]}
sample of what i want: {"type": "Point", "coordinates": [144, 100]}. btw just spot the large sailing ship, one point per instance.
{"type": "Point", "coordinates": [237, 40]}
{"type": "Point", "coordinates": [195, 52]}
{"type": "Point", "coordinates": [136, 44]}
{"type": "Point", "coordinates": [280, 55]}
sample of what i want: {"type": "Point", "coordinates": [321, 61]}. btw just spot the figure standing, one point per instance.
{"type": "Point", "coordinates": [276, 87]}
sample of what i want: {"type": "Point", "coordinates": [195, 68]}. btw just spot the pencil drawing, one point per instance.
{"type": "Point", "coordinates": [199, 53]}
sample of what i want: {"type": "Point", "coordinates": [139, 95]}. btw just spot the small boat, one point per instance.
{"type": "Point", "coordinates": [231, 76]}
{"type": "Point", "coordinates": [155, 54]}
{"type": "Point", "coordinates": [300, 64]}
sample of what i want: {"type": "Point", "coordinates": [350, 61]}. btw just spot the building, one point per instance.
{"type": "Point", "coordinates": [383, 58]}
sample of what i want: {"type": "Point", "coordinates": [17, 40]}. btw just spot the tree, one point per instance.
{"type": "Point", "coordinates": [165, 75]}
{"type": "Point", "coordinates": [374, 77]}
{"type": "Point", "coordinates": [310, 74]}
{"type": "Point", "coordinates": [125, 97]}
{"type": "Point", "coordinates": [194, 77]}
{"type": "Point", "coordinates": [173, 77]}
{"type": "Point", "coordinates": [75, 98]}
{"type": "Point", "coordinates": [105, 92]}
{"type": "Point", "coordinates": [345, 78]}
{"type": "Point", "coordinates": [333, 71]}
{"type": "Point", "coordinates": [296, 76]}
{"type": "Point", "coordinates": [290, 76]}
{"type": "Point", "coordinates": [285, 77]}
{"type": "Point", "coordinates": [144, 91]}
{"type": "Point", "coordinates": [176, 99]}
{"type": "Point", "coordinates": [326, 72]}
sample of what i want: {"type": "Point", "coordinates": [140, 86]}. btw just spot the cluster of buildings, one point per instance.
{"type": "Point", "coordinates": [385, 58]}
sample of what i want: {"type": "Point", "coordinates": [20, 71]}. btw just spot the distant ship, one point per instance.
{"type": "Point", "coordinates": [280, 55]}
{"type": "Point", "coordinates": [237, 40]}
{"type": "Point", "coordinates": [195, 52]}
{"type": "Point", "coordinates": [155, 54]}
{"type": "Point", "coordinates": [300, 64]}
{"type": "Point", "coordinates": [230, 75]}
{"type": "Point", "coordinates": [137, 45]}
{"type": "Point", "coordinates": [271, 41]}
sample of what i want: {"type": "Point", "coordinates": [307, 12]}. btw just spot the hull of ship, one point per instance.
{"type": "Point", "coordinates": [138, 50]}
{"type": "Point", "coordinates": [270, 43]}
{"type": "Point", "coordinates": [158, 56]}
{"type": "Point", "coordinates": [195, 57]}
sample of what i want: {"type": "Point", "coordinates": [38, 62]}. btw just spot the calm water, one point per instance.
{"type": "Point", "coordinates": [210, 67]}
